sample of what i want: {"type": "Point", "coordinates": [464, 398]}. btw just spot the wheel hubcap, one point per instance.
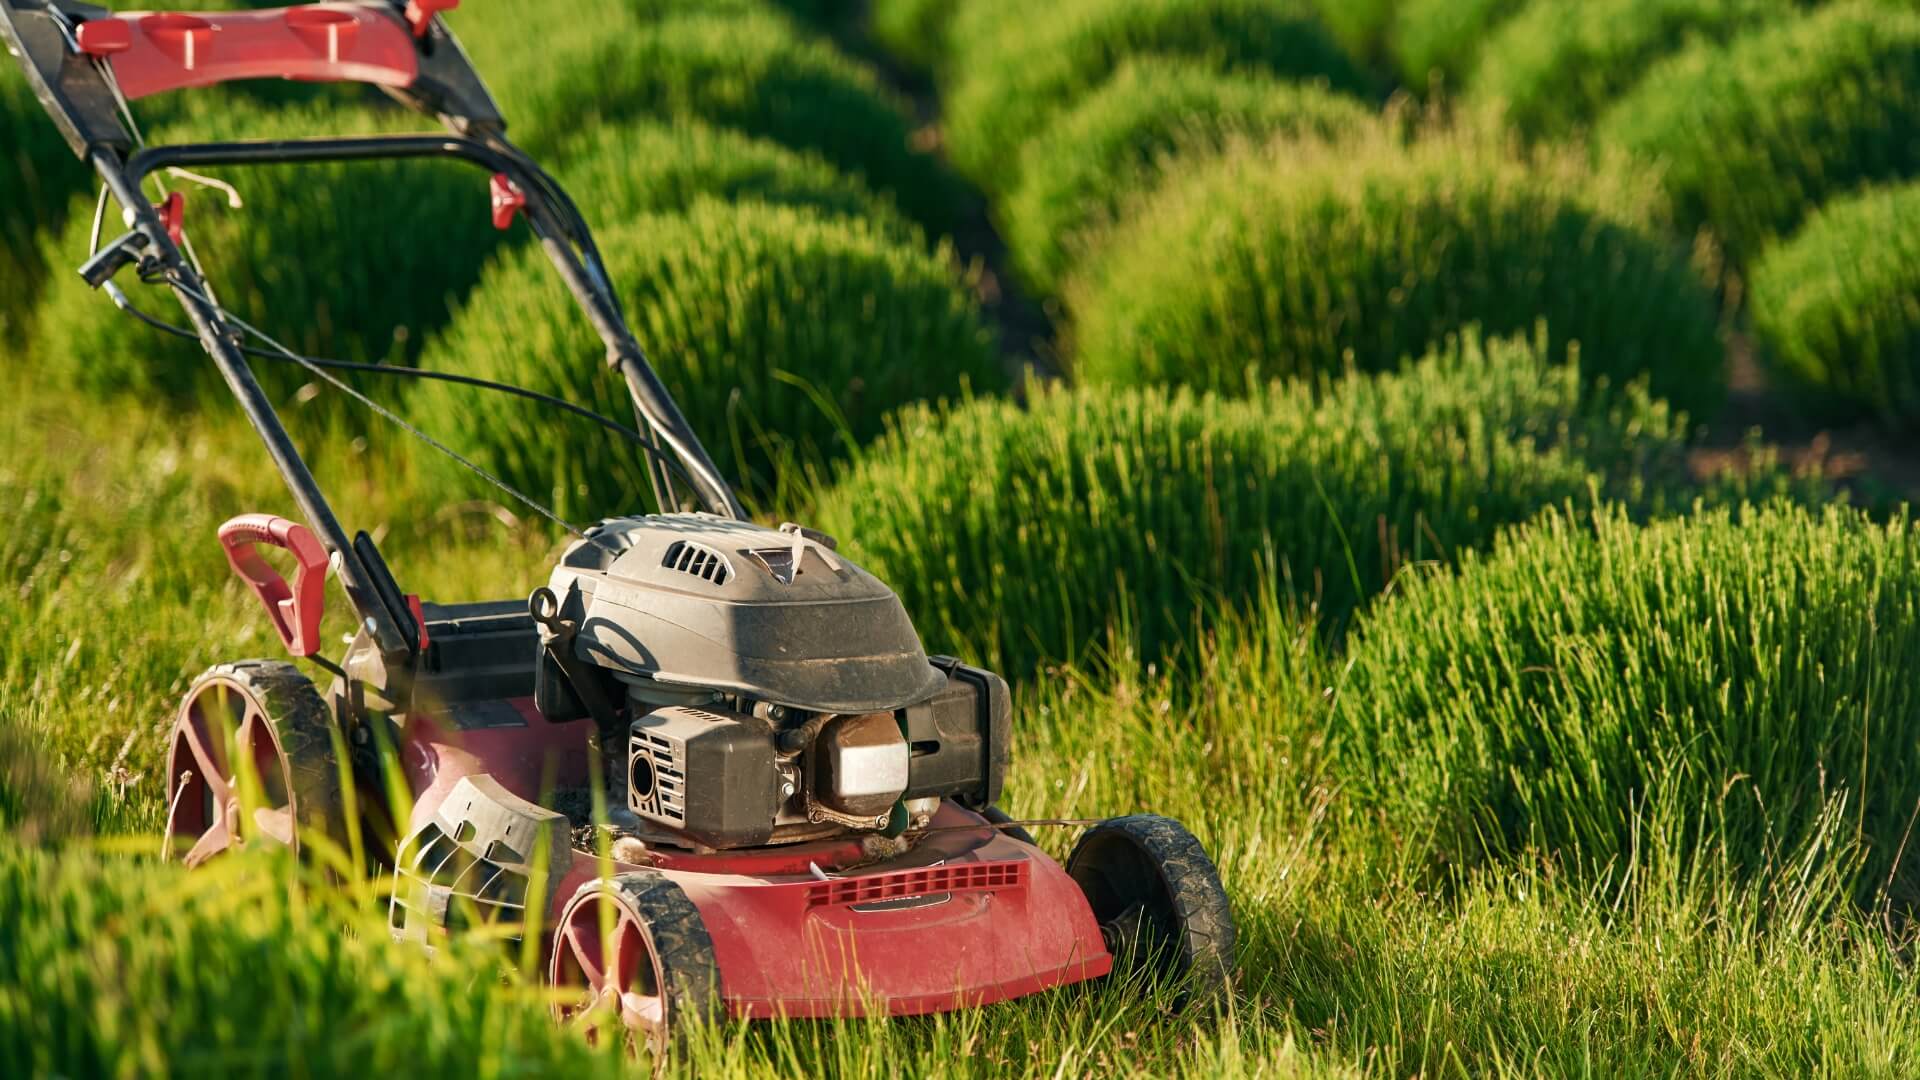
{"type": "Point", "coordinates": [219, 726]}
{"type": "Point", "coordinates": [603, 955]}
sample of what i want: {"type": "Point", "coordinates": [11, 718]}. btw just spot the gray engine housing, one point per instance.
{"type": "Point", "coordinates": [709, 603]}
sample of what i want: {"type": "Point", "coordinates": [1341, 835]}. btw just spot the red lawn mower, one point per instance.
{"type": "Point", "coordinates": [796, 805]}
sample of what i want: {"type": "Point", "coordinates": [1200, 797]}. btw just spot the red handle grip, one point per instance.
{"type": "Point", "coordinates": [295, 611]}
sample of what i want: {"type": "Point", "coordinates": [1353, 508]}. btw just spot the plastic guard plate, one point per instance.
{"type": "Point", "coordinates": [154, 52]}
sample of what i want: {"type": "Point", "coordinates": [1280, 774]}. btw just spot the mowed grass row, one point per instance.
{"type": "Point", "coordinates": [1836, 308]}
{"type": "Point", "coordinates": [1295, 259]}
{"type": "Point", "coordinates": [1754, 135]}
{"type": "Point", "coordinates": [1024, 534]}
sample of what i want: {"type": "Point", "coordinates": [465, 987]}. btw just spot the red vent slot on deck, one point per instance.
{"type": "Point", "coordinates": [339, 42]}
{"type": "Point", "coordinates": [903, 884]}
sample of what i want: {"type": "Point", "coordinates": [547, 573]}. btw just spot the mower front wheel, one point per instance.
{"type": "Point", "coordinates": [634, 947]}
{"type": "Point", "coordinates": [1159, 903]}
{"type": "Point", "coordinates": [251, 759]}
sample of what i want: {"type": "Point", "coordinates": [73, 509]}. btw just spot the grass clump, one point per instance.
{"type": "Point", "coordinates": [776, 331]}
{"type": "Point", "coordinates": [1554, 67]}
{"type": "Point", "coordinates": [745, 71]}
{"type": "Point", "coordinates": [1154, 116]}
{"type": "Point", "coordinates": [1754, 135]}
{"type": "Point", "coordinates": [1836, 308]}
{"type": "Point", "coordinates": [1443, 37]}
{"type": "Point", "coordinates": [354, 260]}
{"type": "Point", "coordinates": [1289, 261]}
{"type": "Point", "coordinates": [1145, 507]}
{"type": "Point", "coordinates": [120, 967]}
{"type": "Point", "coordinates": [622, 171]}
{"type": "Point", "coordinates": [1732, 687]}
{"type": "Point", "coordinates": [1014, 74]}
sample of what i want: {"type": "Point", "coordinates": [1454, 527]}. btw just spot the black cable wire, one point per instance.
{"type": "Point", "coordinates": [120, 300]}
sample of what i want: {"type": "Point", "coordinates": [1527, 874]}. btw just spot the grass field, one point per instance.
{"type": "Point", "coordinates": [1364, 541]}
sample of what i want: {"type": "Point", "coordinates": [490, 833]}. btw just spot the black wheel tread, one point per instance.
{"type": "Point", "coordinates": [303, 725]}
{"type": "Point", "coordinates": [680, 940]}
{"type": "Point", "coordinates": [1208, 934]}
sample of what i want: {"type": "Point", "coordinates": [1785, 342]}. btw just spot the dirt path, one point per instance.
{"type": "Point", "coordinates": [1876, 466]}
{"type": "Point", "coordinates": [1026, 327]}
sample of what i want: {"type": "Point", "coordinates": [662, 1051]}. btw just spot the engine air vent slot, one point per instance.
{"type": "Point", "coordinates": [698, 560]}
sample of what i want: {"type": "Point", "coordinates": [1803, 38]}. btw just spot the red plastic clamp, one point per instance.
{"type": "Point", "coordinates": [420, 13]}
{"type": "Point", "coordinates": [173, 215]}
{"type": "Point", "coordinates": [295, 611]}
{"type": "Point", "coordinates": [508, 201]}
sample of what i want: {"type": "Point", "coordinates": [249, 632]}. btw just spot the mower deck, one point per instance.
{"type": "Point", "coordinates": [969, 916]}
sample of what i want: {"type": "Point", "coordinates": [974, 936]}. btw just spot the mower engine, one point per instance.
{"type": "Point", "coordinates": [766, 690]}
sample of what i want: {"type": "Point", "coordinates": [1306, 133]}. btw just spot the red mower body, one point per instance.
{"type": "Point", "coordinates": [968, 917]}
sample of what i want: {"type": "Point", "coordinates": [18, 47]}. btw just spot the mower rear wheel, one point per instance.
{"type": "Point", "coordinates": [251, 759]}
{"type": "Point", "coordinates": [634, 946]}
{"type": "Point", "coordinates": [1159, 903]}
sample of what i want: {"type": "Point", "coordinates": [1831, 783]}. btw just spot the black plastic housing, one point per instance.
{"type": "Point", "coordinates": [706, 774]}
{"type": "Point", "coordinates": [961, 737]}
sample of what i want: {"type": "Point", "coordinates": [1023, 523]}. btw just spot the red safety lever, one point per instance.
{"type": "Point", "coordinates": [295, 611]}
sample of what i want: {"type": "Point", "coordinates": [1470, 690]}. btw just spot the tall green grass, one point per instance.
{"type": "Point", "coordinates": [1012, 75]}
{"type": "Point", "coordinates": [1024, 535]}
{"type": "Point", "coordinates": [777, 331]}
{"type": "Point", "coordinates": [752, 72]}
{"type": "Point", "coordinates": [1155, 116]}
{"type": "Point", "coordinates": [353, 260]}
{"type": "Point", "coordinates": [116, 967]}
{"type": "Point", "coordinates": [1443, 37]}
{"type": "Point", "coordinates": [1553, 67]}
{"type": "Point", "coordinates": [39, 174]}
{"type": "Point", "coordinates": [1733, 687]}
{"type": "Point", "coordinates": [114, 592]}
{"type": "Point", "coordinates": [1836, 308]}
{"type": "Point", "coordinates": [618, 172]}
{"type": "Point", "coordinates": [1756, 134]}
{"type": "Point", "coordinates": [1296, 259]}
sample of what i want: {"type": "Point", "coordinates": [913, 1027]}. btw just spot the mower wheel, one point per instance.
{"type": "Point", "coordinates": [251, 758]}
{"type": "Point", "coordinates": [635, 946]}
{"type": "Point", "coordinates": [1159, 903]}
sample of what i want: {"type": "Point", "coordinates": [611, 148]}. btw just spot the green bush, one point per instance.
{"type": "Point", "coordinates": [1445, 36]}
{"type": "Point", "coordinates": [38, 174]}
{"type": "Point", "coordinates": [747, 71]}
{"type": "Point", "coordinates": [1012, 80]}
{"type": "Point", "coordinates": [913, 30]}
{"type": "Point", "coordinates": [1601, 689]}
{"type": "Point", "coordinates": [1756, 134]}
{"type": "Point", "coordinates": [1555, 66]}
{"type": "Point", "coordinates": [356, 261]}
{"type": "Point", "coordinates": [1291, 260]}
{"type": "Point", "coordinates": [1023, 534]}
{"type": "Point", "coordinates": [621, 171]}
{"type": "Point", "coordinates": [763, 321]}
{"type": "Point", "coordinates": [1111, 147]}
{"type": "Point", "coordinates": [120, 967]}
{"type": "Point", "coordinates": [1836, 309]}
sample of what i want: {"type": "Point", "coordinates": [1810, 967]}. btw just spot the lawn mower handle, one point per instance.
{"type": "Point", "coordinates": [295, 611]}
{"type": "Point", "coordinates": [70, 81]}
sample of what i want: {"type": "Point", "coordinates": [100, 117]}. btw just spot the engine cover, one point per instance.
{"type": "Point", "coordinates": [707, 602]}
